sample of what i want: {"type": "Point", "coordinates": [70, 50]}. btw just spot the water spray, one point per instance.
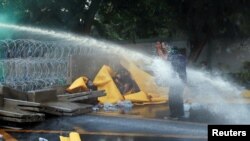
{"type": "Point", "coordinates": [24, 51]}
{"type": "Point", "coordinates": [31, 57]}
{"type": "Point", "coordinates": [85, 41]}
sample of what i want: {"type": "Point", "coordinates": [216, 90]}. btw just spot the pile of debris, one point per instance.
{"type": "Point", "coordinates": [32, 106]}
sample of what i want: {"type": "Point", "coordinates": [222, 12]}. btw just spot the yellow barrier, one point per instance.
{"type": "Point", "coordinates": [104, 81]}
{"type": "Point", "coordinates": [78, 83]}
{"type": "Point", "coordinates": [146, 83]}
{"type": "Point", "coordinates": [73, 136]}
{"type": "Point", "coordinates": [137, 97]}
{"type": "Point", "coordinates": [149, 93]}
{"type": "Point", "coordinates": [62, 138]}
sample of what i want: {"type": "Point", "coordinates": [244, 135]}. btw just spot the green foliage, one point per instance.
{"type": "Point", "coordinates": [59, 14]}
{"type": "Point", "coordinates": [199, 20]}
{"type": "Point", "coordinates": [133, 19]}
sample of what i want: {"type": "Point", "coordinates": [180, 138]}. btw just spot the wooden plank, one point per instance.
{"type": "Point", "coordinates": [60, 89]}
{"type": "Point", "coordinates": [93, 95]}
{"type": "Point", "coordinates": [14, 102]}
{"type": "Point", "coordinates": [13, 93]}
{"type": "Point", "coordinates": [16, 112]}
{"type": "Point", "coordinates": [52, 107]}
{"type": "Point", "coordinates": [10, 111]}
{"type": "Point", "coordinates": [28, 108]}
{"type": "Point", "coordinates": [46, 101]}
{"type": "Point", "coordinates": [43, 95]}
{"type": "Point", "coordinates": [80, 96]}
{"type": "Point", "coordinates": [67, 95]}
{"type": "Point", "coordinates": [17, 115]}
{"type": "Point", "coordinates": [65, 108]}
{"type": "Point", "coordinates": [22, 120]}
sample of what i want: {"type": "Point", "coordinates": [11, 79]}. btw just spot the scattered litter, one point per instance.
{"type": "Point", "coordinates": [97, 107]}
{"type": "Point", "coordinates": [109, 107]}
{"type": "Point", "coordinates": [42, 139]}
{"type": "Point", "coordinates": [125, 104]}
{"type": "Point", "coordinates": [120, 105]}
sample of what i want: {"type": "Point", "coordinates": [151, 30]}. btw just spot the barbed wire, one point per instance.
{"type": "Point", "coordinates": [29, 64]}
{"type": "Point", "coordinates": [33, 73]}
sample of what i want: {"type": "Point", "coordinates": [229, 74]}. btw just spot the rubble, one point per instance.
{"type": "Point", "coordinates": [35, 105]}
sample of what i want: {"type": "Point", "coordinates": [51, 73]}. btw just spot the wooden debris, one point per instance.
{"type": "Point", "coordinates": [80, 96]}
{"type": "Point", "coordinates": [32, 106]}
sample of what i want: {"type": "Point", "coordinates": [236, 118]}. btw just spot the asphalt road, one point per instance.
{"type": "Point", "coordinates": [142, 123]}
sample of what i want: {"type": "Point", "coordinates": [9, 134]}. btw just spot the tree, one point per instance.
{"type": "Point", "coordinates": [208, 19]}
{"type": "Point", "coordinates": [74, 15]}
{"type": "Point", "coordinates": [89, 18]}
{"type": "Point", "coordinates": [133, 19]}
{"type": "Point", "coordinates": [200, 21]}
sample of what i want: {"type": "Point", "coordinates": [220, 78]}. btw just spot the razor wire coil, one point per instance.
{"type": "Point", "coordinates": [29, 64]}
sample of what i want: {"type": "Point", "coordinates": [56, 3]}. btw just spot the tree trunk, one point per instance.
{"type": "Point", "coordinates": [93, 8]}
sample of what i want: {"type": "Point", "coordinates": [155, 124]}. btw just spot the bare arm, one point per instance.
{"type": "Point", "coordinates": [161, 54]}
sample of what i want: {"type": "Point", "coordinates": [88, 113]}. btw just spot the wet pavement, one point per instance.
{"type": "Point", "coordinates": [141, 123]}
{"type": "Point", "coordinates": [85, 137]}
{"type": "Point", "coordinates": [157, 111]}
{"type": "Point", "coordinates": [113, 128]}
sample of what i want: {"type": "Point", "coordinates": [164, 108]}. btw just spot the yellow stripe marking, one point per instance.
{"type": "Point", "coordinates": [83, 132]}
{"type": "Point", "coordinates": [7, 136]}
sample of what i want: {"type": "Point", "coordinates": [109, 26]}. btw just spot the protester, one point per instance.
{"type": "Point", "coordinates": [178, 60]}
{"type": "Point", "coordinates": [161, 50]}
